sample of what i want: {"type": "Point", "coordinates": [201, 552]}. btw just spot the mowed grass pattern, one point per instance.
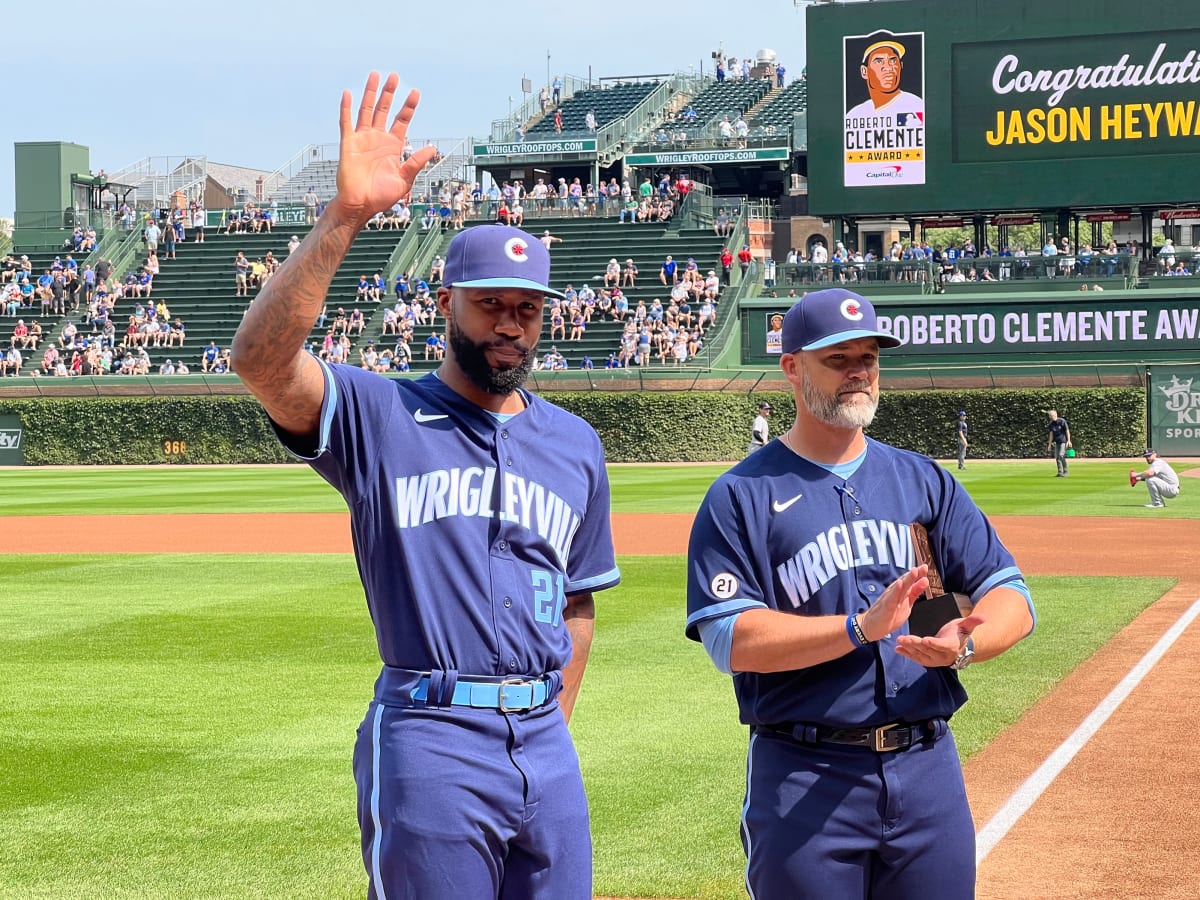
{"type": "Point", "coordinates": [181, 726]}
{"type": "Point", "coordinates": [1094, 488]}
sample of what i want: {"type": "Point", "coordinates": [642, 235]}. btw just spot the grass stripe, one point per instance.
{"type": "Point", "coordinates": [181, 726]}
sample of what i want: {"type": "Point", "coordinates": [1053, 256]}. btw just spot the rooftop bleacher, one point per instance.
{"type": "Point", "coordinates": [606, 103]}
{"type": "Point", "coordinates": [727, 98]}
{"type": "Point", "coordinates": [780, 110]}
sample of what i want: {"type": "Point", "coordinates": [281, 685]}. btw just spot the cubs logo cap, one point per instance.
{"type": "Point", "coordinates": [1148, 452]}
{"type": "Point", "coordinates": [828, 317]}
{"type": "Point", "coordinates": [498, 256]}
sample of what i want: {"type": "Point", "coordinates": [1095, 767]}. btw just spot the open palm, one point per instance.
{"type": "Point", "coordinates": [372, 172]}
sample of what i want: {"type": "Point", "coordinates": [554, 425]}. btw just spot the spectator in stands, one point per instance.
{"type": "Point", "coordinates": [780, 73]}
{"type": "Point", "coordinates": [209, 357]}
{"type": "Point", "coordinates": [722, 225]}
{"type": "Point", "coordinates": [516, 214]}
{"type": "Point", "coordinates": [151, 235]}
{"type": "Point", "coordinates": [630, 209]}
{"type": "Point", "coordinates": [435, 346]}
{"type": "Point", "coordinates": [430, 218]}
{"type": "Point", "coordinates": [293, 244]}
{"type": "Point", "coordinates": [199, 220]}
{"type": "Point", "coordinates": [668, 272]}
{"type": "Point", "coordinates": [589, 121]}
{"type": "Point", "coordinates": [556, 86]}
{"type": "Point", "coordinates": [311, 202]}
{"type": "Point", "coordinates": [401, 216]}
{"type": "Point", "coordinates": [744, 257]}
{"type": "Point", "coordinates": [356, 322]}
{"type": "Point", "coordinates": [241, 275]}
{"type": "Point", "coordinates": [544, 99]}
{"type": "Point", "coordinates": [558, 121]}
{"type": "Point", "coordinates": [612, 273]}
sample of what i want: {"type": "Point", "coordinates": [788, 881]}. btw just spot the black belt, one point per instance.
{"type": "Point", "coordinates": [881, 738]}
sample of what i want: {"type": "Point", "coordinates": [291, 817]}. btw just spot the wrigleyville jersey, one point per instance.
{"type": "Point", "coordinates": [780, 532]}
{"type": "Point", "coordinates": [469, 532]}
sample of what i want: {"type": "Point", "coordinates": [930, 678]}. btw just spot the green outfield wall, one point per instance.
{"type": "Point", "coordinates": [635, 426]}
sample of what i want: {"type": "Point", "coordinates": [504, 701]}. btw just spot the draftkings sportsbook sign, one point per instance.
{"type": "Point", "coordinates": [1076, 97]}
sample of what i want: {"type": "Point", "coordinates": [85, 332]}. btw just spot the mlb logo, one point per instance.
{"type": "Point", "coordinates": [910, 118]}
{"type": "Point", "coordinates": [10, 438]}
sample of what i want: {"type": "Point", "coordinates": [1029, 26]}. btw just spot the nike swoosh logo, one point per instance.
{"type": "Point", "coordinates": [428, 417]}
{"type": "Point", "coordinates": [780, 507]}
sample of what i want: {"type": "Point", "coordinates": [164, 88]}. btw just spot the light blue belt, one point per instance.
{"type": "Point", "coordinates": [509, 695]}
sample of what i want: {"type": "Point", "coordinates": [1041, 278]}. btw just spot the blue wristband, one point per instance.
{"type": "Point", "coordinates": [854, 630]}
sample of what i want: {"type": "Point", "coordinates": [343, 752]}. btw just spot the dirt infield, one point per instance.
{"type": "Point", "coordinates": [1118, 821]}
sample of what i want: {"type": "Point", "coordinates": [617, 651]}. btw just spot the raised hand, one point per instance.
{"type": "Point", "coordinates": [891, 610]}
{"type": "Point", "coordinates": [372, 173]}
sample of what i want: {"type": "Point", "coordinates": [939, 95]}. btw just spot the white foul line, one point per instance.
{"type": "Point", "coordinates": [1027, 794]}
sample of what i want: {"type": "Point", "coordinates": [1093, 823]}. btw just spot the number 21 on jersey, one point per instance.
{"type": "Point", "coordinates": [548, 597]}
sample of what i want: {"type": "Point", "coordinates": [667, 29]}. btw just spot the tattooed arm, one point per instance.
{"type": "Point", "coordinates": [580, 619]}
{"type": "Point", "coordinates": [268, 349]}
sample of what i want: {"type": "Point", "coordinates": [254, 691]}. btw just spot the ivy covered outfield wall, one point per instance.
{"type": "Point", "coordinates": [635, 427]}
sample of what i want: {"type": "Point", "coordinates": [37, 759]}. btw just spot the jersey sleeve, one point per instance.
{"type": "Point", "coordinates": [592, 564]}
{"type": "Point", "coordinates": [354, 413]}
{"type": "Point", "coordinates": [722, 577]}
{"type": "Point", "coordinates": [970, 555]}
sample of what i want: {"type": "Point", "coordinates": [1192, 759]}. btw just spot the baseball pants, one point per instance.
{"type": "Point", "coordinates": [456, 802]}
{"type": "Point", "coordinates": [834, 821]}
{"type": "Point", "coordinates": [1060, 457]}
{"type": "Point", "coordinates": [1161, 489]}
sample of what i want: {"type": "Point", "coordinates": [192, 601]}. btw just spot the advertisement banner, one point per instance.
{"type": "Point", "coordinates": [527, 148]}
{"type": "Point", "coordinates": [706, 157]}
{"type": "Point", "coordinates": [1173, 402]}
{"type": "Point", "coordinates": [883, 96]}
{"type": "Point", "coordinates": [12, 450]}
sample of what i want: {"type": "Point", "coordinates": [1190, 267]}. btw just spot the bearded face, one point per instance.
{"type": "Point", "coordinates": [852, 405]}
{"type": "Point", "coordinates": [472, 358]}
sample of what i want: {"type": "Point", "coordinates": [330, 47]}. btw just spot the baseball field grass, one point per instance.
{"type": "Point", "coordinates": [181, 725]}
{"type": "Point", "coordinates": [1094, 488]}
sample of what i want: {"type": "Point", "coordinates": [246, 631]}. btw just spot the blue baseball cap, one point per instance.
{"type": "Point", "coordinates": [828, 317]}
{"type": "Point", "coordinates": [498, 256]}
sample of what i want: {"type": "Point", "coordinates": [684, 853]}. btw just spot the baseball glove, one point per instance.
{"type": "Point", "coordinates": [1133, 479]}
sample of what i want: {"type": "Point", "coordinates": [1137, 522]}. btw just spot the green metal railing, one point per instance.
{"type": "Point", "coordinates": [403, 253]}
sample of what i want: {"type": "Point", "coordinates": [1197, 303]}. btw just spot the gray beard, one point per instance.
{"type": "Point", "coordinates": [831, 410]}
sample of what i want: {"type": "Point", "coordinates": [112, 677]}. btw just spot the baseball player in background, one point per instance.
{"type": "Point", "coordinates": [802, 573]}
{"type": "Point", "coordinates": [760, 431]}
{"type": "Point", "coordinates": [479, 544]}
{"type": "Point", "coordinates": [961, 428]}
{"type": "Point", "coordinates": [1058, 439]}
{"type": "Point", "coordinates": [1161, 480]}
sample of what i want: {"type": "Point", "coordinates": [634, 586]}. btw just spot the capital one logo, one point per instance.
{"type": "Point", "coordinates": [1182, 401]}
{"type": "Point", "coordinates": [10, 438]}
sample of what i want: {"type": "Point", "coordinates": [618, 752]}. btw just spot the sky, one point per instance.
{"type": "Point", "coordinates": [130, 79]}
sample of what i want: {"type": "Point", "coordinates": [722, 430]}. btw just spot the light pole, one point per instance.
{"type": "Point", "coordinates": [547, 70]}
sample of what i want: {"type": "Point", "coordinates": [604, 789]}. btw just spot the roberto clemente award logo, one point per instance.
{"type": "Point", "coordinates": [884, 102]}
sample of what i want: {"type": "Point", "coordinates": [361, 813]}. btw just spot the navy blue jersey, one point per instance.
{"type": "Point", "coordinates": [1058, 430]}
{"type": "Point", "coordinates": [469, 532]}
{"type": "Point", "coordinates": [779, 532]}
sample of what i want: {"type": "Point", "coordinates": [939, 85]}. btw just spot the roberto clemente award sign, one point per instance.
{"type": "Point", "coordinates": [884, 104]}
